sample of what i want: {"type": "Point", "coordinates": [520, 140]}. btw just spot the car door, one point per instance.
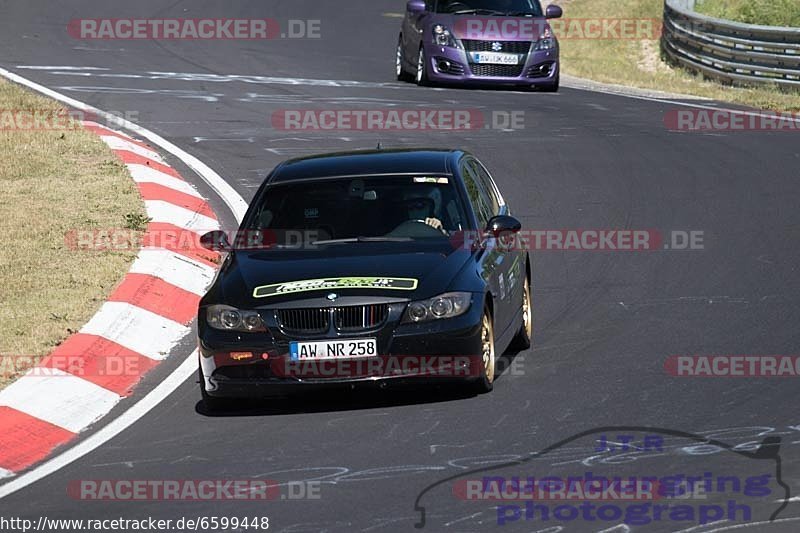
{"type": "Point", "coordinates": [490, 258]}
{"type": "Point", "coordinates": [506, 256]}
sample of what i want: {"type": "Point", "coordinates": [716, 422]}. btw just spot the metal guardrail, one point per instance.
{"type": "Point", "coordinates": [742, 54]}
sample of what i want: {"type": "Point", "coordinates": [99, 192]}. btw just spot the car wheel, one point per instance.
{"type": "Point", "coordinates": [402, 75]}
{"type": "Point", "coordinates": [211, 403]}
{"type": "Point", "coordinates": [524, 337]}
{"type": "Point", "coordinates": [485, 382]}
{"type": "Point", "coordinates": [553, 87]}
{"type": "Point", "coordinates": [422, 70]}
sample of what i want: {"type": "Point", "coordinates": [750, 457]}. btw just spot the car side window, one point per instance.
{"type": "Point", "coordinates": [477, 197]}
{"type": "Point", "coordinates": [487, 185]}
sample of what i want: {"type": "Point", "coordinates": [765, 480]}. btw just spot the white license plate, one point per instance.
{"type": "Point", "coordinates": [495, 58]}
{"type": "Point", "coordinates": [338, 349]}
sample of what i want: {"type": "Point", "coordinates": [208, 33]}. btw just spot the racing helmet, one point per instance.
{"type": "Point", "coordinates": [423, 201]}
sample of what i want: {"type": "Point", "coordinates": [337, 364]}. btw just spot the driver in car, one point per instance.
{"type": "Point", "coordinates": [424, 207]}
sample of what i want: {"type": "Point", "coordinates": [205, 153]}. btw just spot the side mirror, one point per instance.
{"type": "Point", "coordinates": [415, 6]}
{"type": "Point", "coordinates": [216, 241]}
{"type": "Point", "coordinates": [503, 225]}
{"type": "Point", "coordinates": [553, 12]}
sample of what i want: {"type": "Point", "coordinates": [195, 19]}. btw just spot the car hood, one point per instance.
{"type": "Point", "coordinates": [490, 27]}
{"type": "Point", "coordinates": [257, 279]}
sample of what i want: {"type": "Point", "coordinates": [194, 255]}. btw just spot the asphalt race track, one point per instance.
{"type": "Point", "coordinates": [605, 322]}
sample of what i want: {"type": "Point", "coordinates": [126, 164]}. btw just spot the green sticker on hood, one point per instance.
{"type": "Point", "coordinates": [308, 285]}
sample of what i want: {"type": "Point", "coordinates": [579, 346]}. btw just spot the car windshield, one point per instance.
{"type": "Point", "coordinates": [368, 209]}
{"type": "Point", "coordinates": [490, 7]}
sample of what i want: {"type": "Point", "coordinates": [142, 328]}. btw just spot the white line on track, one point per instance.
{"type": "Point", "coordinates": [188, 368]}
{"type": "Point", "coordinates": [572, 83]}
{"type": "Point", "coordinates": [145, 174]}
{"type": "Point", "coordinates": [46, 67]}
{"type": "Point", "coordinates": [115, 143]}
{"type": "Point", "coordinates": [171, 267]}
{"type": "Point", "coordinates": [81, 402]}
{"type": "Point", "coordinates": [233, 199]}
{"type": "Point", "coordinates": [112, 429]}
{"type": "Point", "coordinates": [167, 212]}
{"type": "Point", "coordinates": [744, 112]}
{"type": "Point", "coordinates": [238, 207]}
{"type": "Point", "coordinates": [124, 323]}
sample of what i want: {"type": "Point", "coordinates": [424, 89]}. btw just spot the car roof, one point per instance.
{"type": "Point", "coordinates": [367, 163]}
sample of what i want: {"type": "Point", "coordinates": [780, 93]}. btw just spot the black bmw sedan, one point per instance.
{"type": "Point", "coordinates": [366, 266]}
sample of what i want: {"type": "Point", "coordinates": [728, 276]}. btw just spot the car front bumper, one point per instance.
{"type": "Point", "coordinates": [435, 351]}
{"type": "Point", "coordinates": [452, 66]}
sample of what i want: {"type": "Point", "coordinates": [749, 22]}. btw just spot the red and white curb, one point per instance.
{"type": "Point", "coordinates": [142, 321]}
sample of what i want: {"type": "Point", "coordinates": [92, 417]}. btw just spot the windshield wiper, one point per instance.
{"type": "Point", "coordinates": [520, 14]}
{"type": "Point", "coordinates": [477, 11]}
{"type": "Point", "coordinates": [364, 239]}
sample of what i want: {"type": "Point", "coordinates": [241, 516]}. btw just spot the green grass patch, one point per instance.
{"type": "Point", "coordinates": [51, 182]}
{"type": "Point", "coordinates": [766, 12]}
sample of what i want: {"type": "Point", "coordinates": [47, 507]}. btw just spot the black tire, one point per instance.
{"type": "Point", "coordinates": [422, 68]}
{"type": "Point", "coordinates": [485, 383]}
{"type": "Point", "coordinates": [402, 75]}
{"type": "Point", "coordinates": [524, 337]}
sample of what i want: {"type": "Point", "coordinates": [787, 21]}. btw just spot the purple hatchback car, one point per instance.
{"type": "Point", "coordinates": [479, 42]}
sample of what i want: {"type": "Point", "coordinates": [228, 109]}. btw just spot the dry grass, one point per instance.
{"type": "Point", "coordinates": [52, 182]}
{"type": "Point", "coordinates": [637, 63]}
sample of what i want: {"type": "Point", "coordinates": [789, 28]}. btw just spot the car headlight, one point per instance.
{"type": "Point", "coordinates": [443, 37]}
{"type": "Point", "coordinates": [446, 305]}
{"type": "Point", "coordinates": [546, 41]}
{"type": "Point", "coordinates": [229, 318]}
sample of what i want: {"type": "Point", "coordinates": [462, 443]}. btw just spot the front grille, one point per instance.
{"type": "Point", "coordinates": [511, 47]}
{"type": "Point", "coordinates": [360, 317]}
{"type": "Point", "coordinates": [500, 71]}
{"type": "Point", "coordinates": [503, 71]}
{"type": "Point", "coordinates": [317, 321]}
{"type": "Point", "coordinates": [304, 321]}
